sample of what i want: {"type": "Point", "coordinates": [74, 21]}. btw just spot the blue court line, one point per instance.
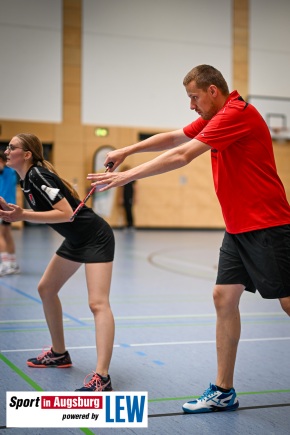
{"type": "Point", "coordinates": [37, 300]}
{"type": "Point", "coordinates": [140, 353]}
{"type": "Point", "coordinates": [159, 363]}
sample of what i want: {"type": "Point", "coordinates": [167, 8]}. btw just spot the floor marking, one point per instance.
{"type": "Point", "coordinates": [185, 316]}
{"type": "Point", "coordinates": [40, 349]}
{"type": "Point", "coordinates": [27, 321]}
{"type": "Point", "coordinates": [170, 414]}
{"type": "Point", "coordinates": [136, 325]}
{"type": "Point", "coordinates": [178, 262]}
{"type": "Point", "coordinates": [26, 378]}
{"type": "Point", "coordinates": [39, 301]}
{"type": "Point", "coordinates": [246, 393]}
{"type": "Point", "coordinates": [22, 293]}
{"type": "Point", "coordinates": [88, 432]}
{"type": "Point", "coordinates": [174, 343]}
{"type": "Point", "coordinates": [33, 384]}
{"type": "Point", "coordinates": [162, 316]}
{"type": "Point", "coordinates": [169, 343]}
{"type": "Point", "coordinates": [159, 363]}
{"type": "Point", "coordinates": [182, 267]}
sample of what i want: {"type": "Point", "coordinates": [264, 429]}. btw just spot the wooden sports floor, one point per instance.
{"type": "Point", "coordinates": [165, 335]}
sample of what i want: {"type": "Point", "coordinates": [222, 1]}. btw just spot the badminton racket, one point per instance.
{"type": "Point", "coordinates": [80, 206]}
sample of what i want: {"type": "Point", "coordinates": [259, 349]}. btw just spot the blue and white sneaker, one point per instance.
{"type": "Point", "coordinates": [213, 400]}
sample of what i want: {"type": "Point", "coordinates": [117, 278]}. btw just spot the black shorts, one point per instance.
{"type": "Point", "coordinates": [260, 260]}
{"type": "Point", "coordinates": [99, 248]}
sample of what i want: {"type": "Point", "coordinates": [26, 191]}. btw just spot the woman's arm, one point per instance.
{"type": "Point", "coordinates": [61, 212]}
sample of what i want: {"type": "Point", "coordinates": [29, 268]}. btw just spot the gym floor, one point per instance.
{"type": "Point", "coordinates": [161, 297]}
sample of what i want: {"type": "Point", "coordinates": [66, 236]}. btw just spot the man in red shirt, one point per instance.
{"type": "Point", "coordinates": [255, 252]}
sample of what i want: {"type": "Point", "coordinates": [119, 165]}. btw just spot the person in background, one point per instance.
{"type": "Point", "coordinates": [8, 185]}
{"type": "Point", "coordinates": [127, 200]}
{"type": "Point", "coordinates": [88, 240]}
{"type": "Point", "coordinates": [255, 252]}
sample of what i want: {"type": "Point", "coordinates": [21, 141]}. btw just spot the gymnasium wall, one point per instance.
{"type": "Point", "coordinates": [70, 66]}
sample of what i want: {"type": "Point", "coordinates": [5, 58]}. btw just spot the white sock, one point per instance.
{"type": "Point", "coordinates": [12, 259]}
{"type": "Point", "coordinates": [5, 258]}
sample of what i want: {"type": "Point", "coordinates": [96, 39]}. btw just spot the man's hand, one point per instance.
{"type": "Point", "coordinates": [107, 180]}
{"type": "Point", "coordinates": [116, 157]}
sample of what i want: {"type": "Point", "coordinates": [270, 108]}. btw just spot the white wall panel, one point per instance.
{"type": "Point", "coordinates": [269, 48]}
{"type": "Point", "coordinates": [31, 60]}
{"type": "Point", "coordinates": [136, 53]}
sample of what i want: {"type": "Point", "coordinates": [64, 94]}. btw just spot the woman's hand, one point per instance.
{"type": "Point", "coordinates": [4, 205]}
{"type": "Point", "coordinates": [10, 212]}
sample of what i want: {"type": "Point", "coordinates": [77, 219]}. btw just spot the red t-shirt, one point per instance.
{"type": "Point", "coordinates": [246, 182]}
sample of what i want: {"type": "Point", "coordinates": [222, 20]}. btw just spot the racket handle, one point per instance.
{"type": "Point", "coordinates": [109, 166]}
{"type": "Point", "coordinates": [80, 206]}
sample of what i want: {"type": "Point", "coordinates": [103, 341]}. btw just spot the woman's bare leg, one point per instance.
{"type": "Point", "coordinates": [58, 271]}
{"type": "Point", "coordinates": [99, 282]}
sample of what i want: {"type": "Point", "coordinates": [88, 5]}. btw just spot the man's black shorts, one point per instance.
{"type": "Point", "coordinates": [260, 260]}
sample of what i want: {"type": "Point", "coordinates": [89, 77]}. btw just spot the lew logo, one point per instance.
{"type": "Point", "coordinates": [122, 409]}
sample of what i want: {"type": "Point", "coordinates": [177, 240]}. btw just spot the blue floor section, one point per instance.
{"type": "Point", "coordinates": [161, 297]}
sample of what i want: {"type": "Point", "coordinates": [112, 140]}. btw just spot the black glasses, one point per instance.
{"type": "Point", "coordinates": [11, 147]}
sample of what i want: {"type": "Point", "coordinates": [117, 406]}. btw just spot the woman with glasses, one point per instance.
{"type": "Point", "coordinates": [88, 239]}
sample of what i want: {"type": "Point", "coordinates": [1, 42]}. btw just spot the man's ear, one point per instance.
{"type": "Point", "coordinates": [213, 90]}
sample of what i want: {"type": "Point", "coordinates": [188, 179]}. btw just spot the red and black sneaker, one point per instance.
{"type": "Point", "coordinates": [48, 358]}
{"type": "Point", "coordinates": [97, 383]}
